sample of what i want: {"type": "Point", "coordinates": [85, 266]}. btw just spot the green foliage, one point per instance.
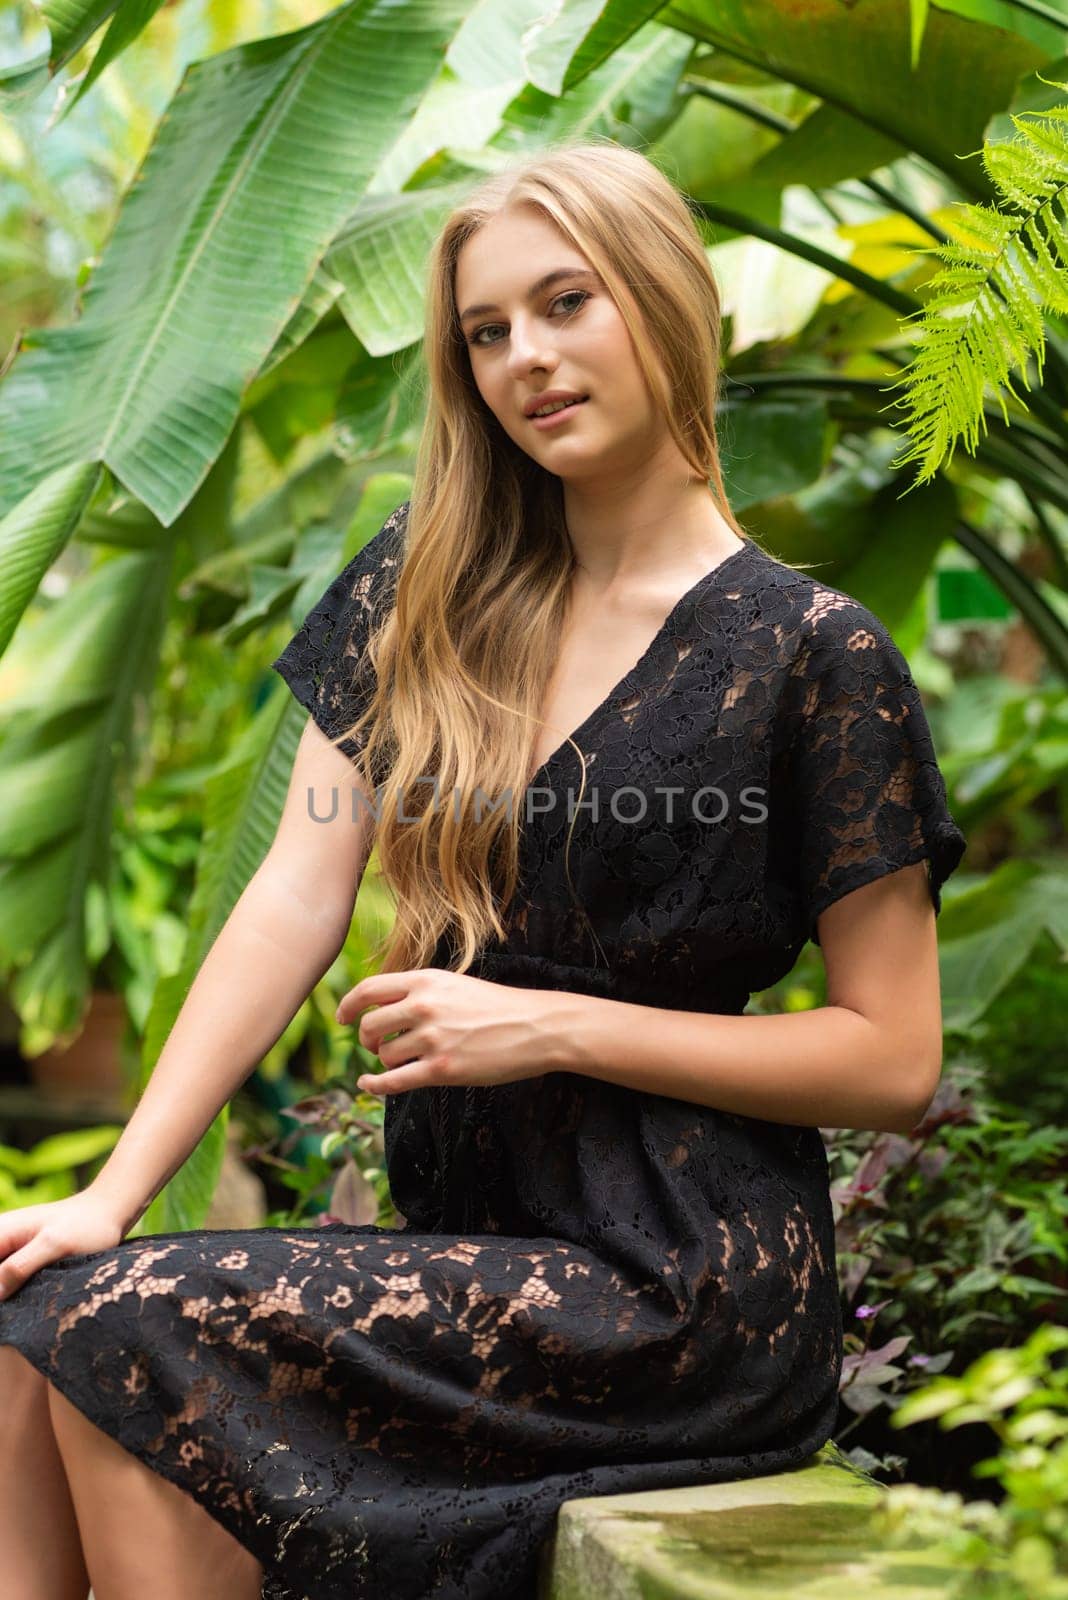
{"type": "Point", "coordinates": [1017, 1549]}
{"type": "Point", "coordinates": [59, 1166]}
{"type": "Point", "coordinates": [953, 1235]}
{"type": "Point", "coordinates": [72, 22]}
{"type": "Point", "coordinates": [193, 287]}
{"type": "Point", "coordinates": [33, 534]}
{"type": "Point", "coordinates": [1020, 1039]}
{"type": "Point", "coordinates": [346, 1170]}
{"type": "Point", "coordinates": [983, 319]}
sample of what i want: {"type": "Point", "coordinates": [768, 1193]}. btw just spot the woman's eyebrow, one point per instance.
{"type": "Point", "coordinates": [535, 288]}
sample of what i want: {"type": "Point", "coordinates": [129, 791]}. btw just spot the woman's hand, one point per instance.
{"type": "Point", "coordinates": [33, 1236]}
{"type": "Point", "coordinates": [451, 1028]}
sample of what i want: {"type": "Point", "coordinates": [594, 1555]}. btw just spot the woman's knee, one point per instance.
{"type": "Point", "coordinates": [18, 1375]}
{"type": "Point", "coordinates": [23, 1389]}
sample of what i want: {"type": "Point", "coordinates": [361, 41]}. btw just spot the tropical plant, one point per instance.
{"type": "Point", "coordinates": [348, 1162]}
{"type": "Point", "coordinates": [1016, 1549]}
{"type": "Point", "coordinates": [1006, 268]}
{"type": "Point", "coordinates": [57, 1167]}
{"type": "Point", "coordinates": [958, 1228]}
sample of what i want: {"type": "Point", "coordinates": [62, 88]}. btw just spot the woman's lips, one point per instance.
{"type": "Point", "coordinates": [557, 416]}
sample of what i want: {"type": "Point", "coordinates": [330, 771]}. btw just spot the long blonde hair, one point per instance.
{"type": "Point", "coordinates": [464, 659]}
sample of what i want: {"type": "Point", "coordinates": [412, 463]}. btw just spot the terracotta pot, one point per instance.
{"type": "Point", "coordinates": [92, 1063]}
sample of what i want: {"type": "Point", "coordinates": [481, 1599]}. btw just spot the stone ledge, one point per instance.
{"type": "Point", "coordinates": [791, 1533]}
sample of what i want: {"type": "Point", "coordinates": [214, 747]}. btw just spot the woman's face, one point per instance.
{"type": "Point", "coordinates": [567, 334]}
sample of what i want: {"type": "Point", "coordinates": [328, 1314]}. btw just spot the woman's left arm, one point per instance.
{"type": "Point", "coordinates": [870, 1058]}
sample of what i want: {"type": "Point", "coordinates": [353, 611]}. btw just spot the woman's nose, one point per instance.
{"type": "Point", "coordinates": [529, 350]}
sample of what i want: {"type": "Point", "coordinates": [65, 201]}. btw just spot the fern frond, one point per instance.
{"type": "Point", "coordinates": [984, 318]}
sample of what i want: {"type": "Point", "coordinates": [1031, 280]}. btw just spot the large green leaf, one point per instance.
{"type": "Point", "coordinates": [255, 167]}
{"type": "Point", "coordinates": [1041, 21]}
{"type": "Point", "coordinates": [131, 17]}
{"type": "Point", "coordinates": [550, 47]}
{"type": "Point", "coordinates": [988, 932]}
{"type": "Point", "coordinates": [612, 25]}
{"type": "Point", "coordinates": [826, 148]}
{"type": "Point", "coordinates": [95, 649]}
{"type": "Point", "coordinates": [74, 683]}
{"type": "Point", "coordinates": [903, 538]}
{"type": "Point", "coordinates": [857, 59]}
{"type": "Point", "coordinates": [490, 47]}
{"type": "Point", "coordinates": [771, 449]}
{"type": "Point", "coordinates": [630, 94]}
{"type": "Point", "coordinates": [319, 296]}
{"type": "Point", "coordinates": [33, 534]}
{"type": "Point", "coordinates": [72, 23]}
{"type": "Point", "coordinates": [379, 258]}
{"type": "Point", "coordinates": [242, 805]}
{"type": "Point", "coordinates": [859, 534]}
{"type": "Point", "coordinates": [23, 81]}
{"type": "Point", "coordinates": [380, 255]}
{"type": "Point", "coordinates": [75, 650]}
{"type": "Point", "coordinates": [722, 135]}
{"type": "Point", "coordinates": [451, 113]}
{"type": "Point", "coordinates": [297, 398]}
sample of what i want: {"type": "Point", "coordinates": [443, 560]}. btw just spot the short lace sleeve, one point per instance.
{"type": "Point", "coordinates": [866, 790]}
{"type": "Point", "coordinates": [324, 663]}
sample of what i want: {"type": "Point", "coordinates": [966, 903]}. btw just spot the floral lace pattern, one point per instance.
{"type": "Point", "coordinates": [324, 661]}
{"type": "Point", "coordinates": [596, 1290]}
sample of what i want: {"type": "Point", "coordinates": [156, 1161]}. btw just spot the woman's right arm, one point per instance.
{"type": "Point", "coordinates": [285, 931]}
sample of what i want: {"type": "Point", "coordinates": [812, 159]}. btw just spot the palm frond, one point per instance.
{"type": "Point", "coordinates": [983, 321]}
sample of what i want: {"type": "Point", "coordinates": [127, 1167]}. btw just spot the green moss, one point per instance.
{"type": "Point", "coordinates": [805, 1533]}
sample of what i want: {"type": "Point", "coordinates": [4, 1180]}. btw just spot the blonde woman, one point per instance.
{"type": "Point", "coordinates": [620, 763]}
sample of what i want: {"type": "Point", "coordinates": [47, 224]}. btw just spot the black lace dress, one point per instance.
{"type": "Point", "coordinates": [597, 1290]}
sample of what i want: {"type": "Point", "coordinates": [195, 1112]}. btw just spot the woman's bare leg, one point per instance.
{"type": "Point", "coordinates": [41, 1548]}
{"type": "Point", "coordinates": [141, 1534]}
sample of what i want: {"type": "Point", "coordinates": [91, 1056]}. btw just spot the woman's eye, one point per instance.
{"type": "Point", "coordinates": [487, 327]}
{"type": "Point", "coordinates": [570, 295]}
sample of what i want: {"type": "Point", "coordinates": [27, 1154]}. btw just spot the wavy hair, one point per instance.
{"type": "Point", "coordinates": [463, 661]}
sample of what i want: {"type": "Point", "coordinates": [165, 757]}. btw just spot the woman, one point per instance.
{"type": "Point", "coordinates": [617, 1270]}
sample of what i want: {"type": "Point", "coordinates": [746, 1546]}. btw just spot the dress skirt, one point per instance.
{"type": "Point", "coordinates": [384, 1415]}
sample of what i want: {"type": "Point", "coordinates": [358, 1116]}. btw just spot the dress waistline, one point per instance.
{"type": "Point", "coordinates": [531, 971]}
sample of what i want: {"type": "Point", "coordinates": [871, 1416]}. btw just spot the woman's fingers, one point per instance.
{"type": "Point", "coordinates": [27, 1259]}
{"type": "Point", "coordinates": [15, 1228]}
{"type": "Point", "coordinates": [31, 1238]}
{"type": "Point", "coordinates": [414, 1075]}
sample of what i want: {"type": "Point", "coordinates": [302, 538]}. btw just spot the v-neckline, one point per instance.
{"type": "Point", "coordinates": [624, 683]}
